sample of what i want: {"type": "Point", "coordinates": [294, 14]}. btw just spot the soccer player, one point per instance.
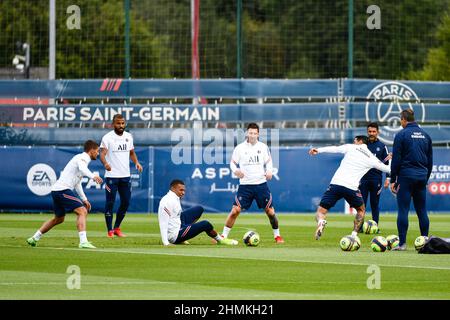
{"type": "Point", "coordinates": [255, 169]}
{"type": "Point", "coordinates": [64, 200]}
{"type": "Point", "coordinates": [178, 226]}
{"type": "Point", "coordinates": [357, 161]}
{"type": "Point", "coordinates": [117, 149]}
{"type": "Point", "coordinates": [412, 163]}
{"type": "Point", "coordinates": [372, 183]}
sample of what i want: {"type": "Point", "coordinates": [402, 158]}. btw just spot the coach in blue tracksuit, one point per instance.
{"type": "Point", "coordinates": [372, 182]}
{"type": "Point", "coordinates": [411, 167]}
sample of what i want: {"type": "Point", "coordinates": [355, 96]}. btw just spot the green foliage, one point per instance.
{"type": "Point", "coordinates": [280, 39]}
{"type": "Point", "coordinates": [437, 66]}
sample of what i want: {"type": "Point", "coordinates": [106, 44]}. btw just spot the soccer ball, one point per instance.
{"type": "Point", "coordinates": [420, 242]}
{"type": "Point", "coordinates": [393, 241]}
{"type": "Point", "coordinates": [370, 227]}
{"type": "Point", "coordinates": [251, 238]}
{"type": "Point", "coordinates": [379, 244]}
{"type": "Point", "coordinates": [348, 243]}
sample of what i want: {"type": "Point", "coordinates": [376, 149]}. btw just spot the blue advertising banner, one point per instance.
{"type": "Point", "coordinates": [298, 182]}
{"type": "Point", "coordinates": [29, 174]}
{"type": "Point", "coordinates": [297, 186]}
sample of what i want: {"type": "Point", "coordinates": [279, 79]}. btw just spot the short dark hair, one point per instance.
{"type": "Point", "coordinates": [117, 116]}
{"type": "Point", "coordinates": [253, 126]}
{"type": "Point", "coordinates": [89, 145]}
{"type": "Point", "coordinates": [407, 115]}
{"type": "Point", "coordinates": [364, 139]}
{"type": "Point", "coordinates": [373, 125]}
{"type": "Point", "coordinates": [175, 182]}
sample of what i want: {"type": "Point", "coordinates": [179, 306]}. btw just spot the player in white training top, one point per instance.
{"type": "Point", "coordinates": [64, 200]}
{"type": "Point", "coordinates": [117, 149]}
{"type": "Point", "coordinates": [177, 225]}
{"type": "Point", "coordinates": [357, 161]}
{"type": "Point", "coordinates": [255, 169]}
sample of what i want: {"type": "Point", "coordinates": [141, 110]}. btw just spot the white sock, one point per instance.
{"type": "Point", "coordinates": [218, 238]}
{"type": "Point", "coordinates": [354, 234]}
{"type": "Point", "coordinates": [83, 236]}
{"type": "Point", "coordinates": [37, 235]}
{"type": "Point", "coordinates": [276, 232]}
{"type": "Point", "coordinates": [226, 231]}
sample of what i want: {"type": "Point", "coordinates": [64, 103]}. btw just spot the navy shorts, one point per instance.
{"type": "Point", "coordinates": [335, 193]}
{"type": "Point", "coordinates": [65, 201]}
{"type": "Point", "coordinates": [248, 192]}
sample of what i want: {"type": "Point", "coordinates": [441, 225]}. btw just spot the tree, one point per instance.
{"type": "Point", "coordinates": [437, 66]}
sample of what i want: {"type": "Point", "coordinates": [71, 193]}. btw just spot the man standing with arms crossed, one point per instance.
{"type": "Point", "coordinates": [255, 169]}
{"type": "Point", "coordinates": [412, 163]}
{"type": "Point", "coordinates": [117, 149]}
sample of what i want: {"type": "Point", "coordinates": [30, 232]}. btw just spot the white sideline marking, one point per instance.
{"type": "Point", "coordinates": [227, 257]}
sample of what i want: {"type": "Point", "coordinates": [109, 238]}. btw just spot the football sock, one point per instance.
{"type": "Point", "coordinates": [226, 231]}
{"type": "Point", "coordinates": [108, 219]}
{"type": "Point", "coordinates": [354, 234]}
{"type": "Point", "coordinates": [83, 236]}
{"type": "Point", "coordinates": [37, 235]}
{"type": "Point", "coordinates": [276, 232]}
{"type": "Point", "coordinates": [218, 238]}
{"type": "Point", "coordinates": [119, 218]}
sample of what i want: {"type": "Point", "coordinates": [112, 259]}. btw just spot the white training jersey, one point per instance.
{"type": "Point", "coordinates": [252, 158]}
{"type": "Point", "coordinates": [169, 213]}
{"type": "Point", "coordinates": [118, 155]}
{"type": "Point", "coordinates": [72, 174]}
{"type": "Point", "coordinates": [357, 161]}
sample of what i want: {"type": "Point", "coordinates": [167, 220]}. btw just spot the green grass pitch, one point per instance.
{"type": "Point", "coordinates": [138, 267]}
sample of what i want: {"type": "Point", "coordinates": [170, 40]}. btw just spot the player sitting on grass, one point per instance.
{"type": "Point", "coordinates": [64, 200]}
{"type": "Point", "coordinates": [357, 161]}
{"type": "Point", "coordinates": [178, 226]}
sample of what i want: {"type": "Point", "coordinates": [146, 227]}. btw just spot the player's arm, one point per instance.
{"type": "Point", "coordinates": [331, 149]}
{"type": "Point", "coordinates": [103, 152]}
{"type": "Point", "coordinates": [234, 162]}
{"type": "Point", "coordinates": [163, 219]}
{"type": "Point", "coordinates": [396, 157]}
{"type": "Point", "coordinates": [430, 157]}
{"type": "Point", "coordinates": [377, 164]}
{"type": "Point", "coordinates": [387, 160]}
{"type": "Point", "coordinates": [134, 158]}
{"type": "Point", "coordinates": [82, 166]}
{"type": "Point", "coordinates": [268, 164]}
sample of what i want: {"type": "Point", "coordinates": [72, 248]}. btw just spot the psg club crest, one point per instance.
{"type": "Point", "coordinates": [386, 101]}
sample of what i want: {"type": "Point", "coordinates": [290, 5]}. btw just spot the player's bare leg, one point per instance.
{"type": "Point", "coordinates": [270, 212]}
{"type": "Point", "coordinates": [231, 219]}
{"type": "Point", "coordinates": [50, 224]}
{"type": "Point", "coordinates": [359, 219]}
{"type": "Point", "coordinates": [81, 226]}
{"type": "Point", "coordinates": [46, 226]}
{"type": "Point", "coordinates": [321, 215]}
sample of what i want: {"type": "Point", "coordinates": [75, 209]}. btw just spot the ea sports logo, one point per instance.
{"type": "Point", "coordinates": [386, 101]}
{"type": "Point", "coordinates": [40, 179]}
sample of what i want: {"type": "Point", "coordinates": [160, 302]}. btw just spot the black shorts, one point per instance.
{"type": "Point", "coordinates": [335, 193]}
{"type": "Point", "coordinates": [249, 192]}
{"type": "Point", "coordinates": [65, 201]}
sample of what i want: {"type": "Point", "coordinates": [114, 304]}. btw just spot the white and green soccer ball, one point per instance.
{"type": "Point", "coordinates": [379, 244]}
{"type": "Point", "coordinates": [420, 242]}
{"type": "Point", "coordinates": [251, 238]}
{"type": "Point", "coordinates": [370, 227]}
{"type": "Point", "coordinates": [393, 241]}
{"type": "Point", "coordinates": [349, 243]}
